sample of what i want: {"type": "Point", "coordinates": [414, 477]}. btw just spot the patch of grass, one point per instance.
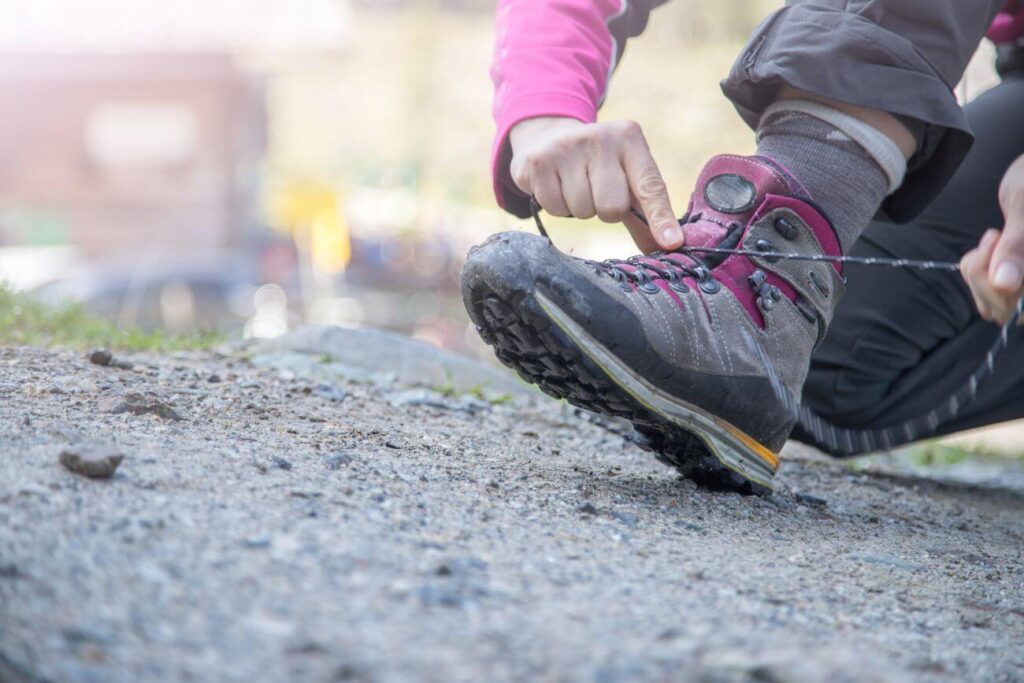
{"type": "Point", "coordinates": [938, 454]}
{"type": "Point", "coordinates": [27, 322]}
{"type": "Point", "coordinates": [449, 390]}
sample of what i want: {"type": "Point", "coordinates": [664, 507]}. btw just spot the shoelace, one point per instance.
{"type": "Point", "coordinates": [634, 269]}
{"type": "Point", "coordinates": [843, 441]}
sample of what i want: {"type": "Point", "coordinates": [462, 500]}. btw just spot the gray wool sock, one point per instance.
{"type": "Point", "coordinates": [842, 177]}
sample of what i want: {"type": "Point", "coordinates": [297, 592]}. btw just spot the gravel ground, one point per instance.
{"type": "Point", "coordinates": [266, 526]}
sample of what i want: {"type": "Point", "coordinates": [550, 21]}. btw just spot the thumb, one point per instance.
{"type": "Point", "coordinates": [1006, 270]}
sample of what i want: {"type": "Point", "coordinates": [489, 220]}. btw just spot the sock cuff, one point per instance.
{"type": "Point", "coordinates": [877, 144]}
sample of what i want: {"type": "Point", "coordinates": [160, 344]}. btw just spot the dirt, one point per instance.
{"type": "Point", "coordinates": [303, 522]}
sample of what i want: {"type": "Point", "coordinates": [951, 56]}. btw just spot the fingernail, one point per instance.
{"type": "Point", "coordinates": [1008, 276]}
{"type": "Point", "coordinates": [671, 235]}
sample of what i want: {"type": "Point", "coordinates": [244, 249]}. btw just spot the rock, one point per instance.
{"type": "Point", "coordinates": [137, 404]}
{"type": "Point", "coordinates": [282, 464]}
{"type": "Point", "coordinates": [338, 460]}
{"type": "Point", "coordinates": [626, 518]}
{"type": "Point", "coordinates": [433, 399]}
{"type": "Point", "coordinates": [106, 359]}
{"type": "Point", "coordinates": [73, 385]}
{"type": "Point", "coordinates": [101, 357]}
{"type": "Point", "coordinates": [330, 392]}
{"type": "Point", "coordinates": [93, 460]}
{"type": "Point", "coordinates": [367, 353]}
{"type": "Point", "coordinates": [587, 509]}
{"type": "Point", "coordinates": [809, 500]}
{"type": "Point", "coordinates": [887, 561]}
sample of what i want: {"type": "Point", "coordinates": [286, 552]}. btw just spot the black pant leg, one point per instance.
{"type": "Point", "coordinates": [902, 341]}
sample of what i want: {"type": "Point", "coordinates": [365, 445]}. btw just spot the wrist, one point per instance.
{"type": "Point", "coordinates": [527, 130]}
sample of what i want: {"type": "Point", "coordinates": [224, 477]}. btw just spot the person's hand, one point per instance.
{"type": "Point", "coordinates": [595, 169]}
{"type": "Point", "coordinates": [994, 270]}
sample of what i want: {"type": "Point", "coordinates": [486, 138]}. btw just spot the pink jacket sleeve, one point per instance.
{"type": "Point", "coordinates": [554, 58]}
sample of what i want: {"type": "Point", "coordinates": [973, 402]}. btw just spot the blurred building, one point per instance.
{"type": "Point", "coordinates": [117, 153]}
{"type": "Point", "coordinates": [133, 145]}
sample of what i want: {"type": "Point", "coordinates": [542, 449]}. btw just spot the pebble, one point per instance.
{"type": "Point", "coordinates": [106, 359]}
{"type": "Point", "coordinates": [809, 500]}
{"type": "Point", "coordinates": [338, 460]}
{"type": "Point", "coordinates": [101, 357]}
{"type": "Point", "coordinates": [330, 392]}
{"type": "Point", "coordinates": [93, 460]}
{"type": "Point", "coordinates": [626, 518]}
{"type": "Point", "coordinates": [433, 399]}
{"type": "Point", "coordinates": [137, 404]}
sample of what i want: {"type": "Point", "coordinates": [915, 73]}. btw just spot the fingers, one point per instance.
{"type": "Point", "coordinates": [1007, 268]}
{"type": "Point", "coordinates": [576, 190]}
{"type": "Point", "coordinates": [602, 169]}
{"type": "Point", "coordinates": [611, 190]}
{"type": "Point", "coordinates": [648, 186]}
{"type": "Point", "coordinates": [974, 268]}
{"type": "Point", "coordinates": [545, 185]}
{"type": "Point", "coordinates": [641, 234]}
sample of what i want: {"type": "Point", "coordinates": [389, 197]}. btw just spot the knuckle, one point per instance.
{"type": "Point", "coordinates": [521, 177]}
{"type": "Point", "coordinates": [536, 162]}
{"type": "Point", "coordinates": [630, 129]}
{"type": "Point", "coordinates": [612, 212]}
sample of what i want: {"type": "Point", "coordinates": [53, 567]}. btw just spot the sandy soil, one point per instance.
{"type": "Point", "coordinates": [313, 526]}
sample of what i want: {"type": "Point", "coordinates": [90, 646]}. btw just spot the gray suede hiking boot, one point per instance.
{"type": "Point", "coordinates": [669, 341]}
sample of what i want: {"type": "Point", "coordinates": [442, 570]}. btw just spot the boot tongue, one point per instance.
{"type": "Point", "coordinates": [729, 190]}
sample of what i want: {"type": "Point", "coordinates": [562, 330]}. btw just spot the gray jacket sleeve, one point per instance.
{"type": "Point", "coordinates": [901, 56]}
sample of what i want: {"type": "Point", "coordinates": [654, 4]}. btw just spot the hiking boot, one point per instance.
{"type": "Point", "coordinates": [676, 342]}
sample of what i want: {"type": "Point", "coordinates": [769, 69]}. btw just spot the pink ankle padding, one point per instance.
{"type": "Point", "coordinates": [767, 180]}
{"type": "Point", "coordinates": [734, 271]}
{"type": "Point", "coordinates": [818, 224]}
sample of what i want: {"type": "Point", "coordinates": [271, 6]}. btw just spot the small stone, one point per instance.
{"type": "Point", "coordinates": [809, 500]}
{"type": "Point", "coordinates": [282, 464]}
{"type": "Point", "coordinates": [433, 399]}
{"type": "Point", "coordinates": [137, 404]}
{"type": "Point", "coordinates": [214, 379]}
{"type": "Point", "coordinates": [96, 461]}
{"type": "Point", "coordinates": [106, 359]}
{"type": "Point", "coordinates": [338, 460]}
{"type": "Point", "coordinates": [331, 393]}
{"type": "Point", "coordinates": [626, 518]}
{"type": "Point", "coordinates": [101, 357]}
{"type": "Point", "coordinates": [587, 509]}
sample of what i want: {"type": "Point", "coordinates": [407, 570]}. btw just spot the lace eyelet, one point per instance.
{"type": "Point", "coordinates": [709, 286]}
{"type": "Point", "coordinates": [676, 283]}
{"type": "Point", "coordinates": [786, 229]}
{"type": "Point", "coordinates": [648, 287]}
{"type": "Point", "coordinates": [764, 245]}
{"type": "Point", "coordinates": [818, 283]}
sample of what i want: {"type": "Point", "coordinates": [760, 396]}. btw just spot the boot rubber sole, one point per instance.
{"type": "Point", "coordinates": [540, 341]}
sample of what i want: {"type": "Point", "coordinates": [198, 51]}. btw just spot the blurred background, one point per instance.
{"type": "Point", "coordinates": [245, 166]}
